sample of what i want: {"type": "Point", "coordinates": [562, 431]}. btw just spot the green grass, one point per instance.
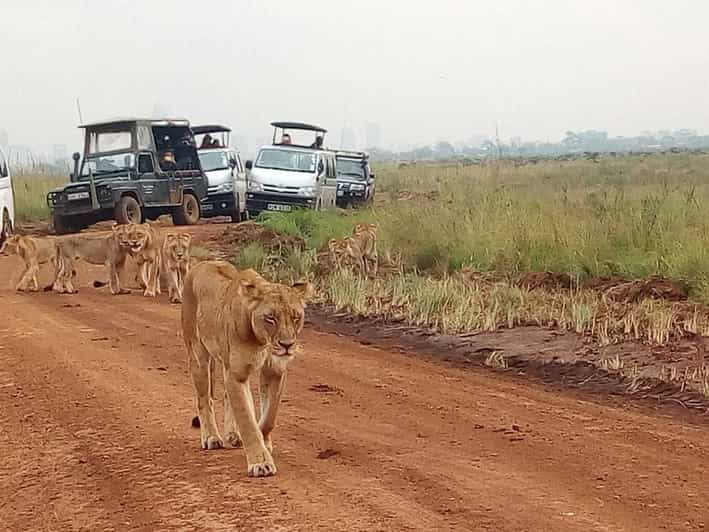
{"type": "Point", "coordinates": [30, 195]}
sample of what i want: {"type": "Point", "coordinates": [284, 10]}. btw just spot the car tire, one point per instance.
{"type": "Point", "coordinates": [128, 211]}
{"type": "Point", "coordinates": [6, 230]}
{"type": "Point", "coordinates": [188, 213]}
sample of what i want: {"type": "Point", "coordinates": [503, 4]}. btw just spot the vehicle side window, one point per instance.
{"type": "Point", "coordinates": [332, 169]}
{"type": "Point", "coordinates": [145, 163]}
{"type": "Point", "coordinates": [3, 166]}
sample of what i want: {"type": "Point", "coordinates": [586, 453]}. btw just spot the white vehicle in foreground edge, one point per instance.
{"type": "Point", "coordinates": [7, 200]}
{"type": "Point", "coordinates": [288, 175]}
{"type": "Point", "coordinates": [226, 176]}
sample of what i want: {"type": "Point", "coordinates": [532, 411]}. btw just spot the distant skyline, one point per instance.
{"type": "Point", "coordinates": [424, 71]}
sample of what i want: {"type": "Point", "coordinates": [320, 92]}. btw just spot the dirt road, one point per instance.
{"type": "Point", "coordinates": [95, 409]}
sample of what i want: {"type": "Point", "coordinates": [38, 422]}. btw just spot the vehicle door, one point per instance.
{"type": "Point", "coordinates": [7, 201]}
{"type": "Point", "coordinates": [239, 175]}
{"type": "Point", "coordinates": [328, 190]}
{"type": "Point", "coordinates": [153, 183]}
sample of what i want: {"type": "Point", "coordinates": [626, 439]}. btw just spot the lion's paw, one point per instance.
{"type": "Point", "coordinates": [263, 469]}
{"type": "Point", "coordinates": [234, 439]}
{"type": "Point", "coordinates": [212, 442]}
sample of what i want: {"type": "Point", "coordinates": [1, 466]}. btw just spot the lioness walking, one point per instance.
{"type": "Point", "coordinates": [247, 325]}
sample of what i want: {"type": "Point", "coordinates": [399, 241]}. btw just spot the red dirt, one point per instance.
{"type": "Point", "coordinates": [96, 403]}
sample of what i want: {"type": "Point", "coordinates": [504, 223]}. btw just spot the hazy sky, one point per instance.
{"type": "Point", "coordinates": [422, 70]}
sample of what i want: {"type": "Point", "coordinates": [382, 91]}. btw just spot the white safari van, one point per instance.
{"type": "Point", "coordinates": [292, 174]}
{"type": "Point", "coordinates": [7, 199]}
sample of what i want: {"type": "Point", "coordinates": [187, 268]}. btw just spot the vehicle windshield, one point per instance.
{"type": "Point", "coordinates": [290, 160]}
{"type": "Point", "coordinates": [103, 141]}
{"type": "Point", "coordinates": [350, 168]}
{"type": "Point", "coordinates": [103, 164]}
{"type": "Point", "coordinates": [213, 160]}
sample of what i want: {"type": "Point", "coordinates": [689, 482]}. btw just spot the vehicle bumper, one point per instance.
{"type": "Point", "coordinates": [257, 202]}
{"type": "Point", "coordinates": [221, 204]}
{"type": "Point", "coordinates": [75, 208]}
{"type": "Point", "coordinates": [346, 196]}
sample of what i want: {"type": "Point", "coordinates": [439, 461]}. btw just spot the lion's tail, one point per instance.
{"type": "Point", "coordinates": [195, 422]}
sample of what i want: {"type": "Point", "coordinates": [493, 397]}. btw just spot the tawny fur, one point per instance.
{"type": "Point", "coordinates": [175, 263]}
{"type": "Point", "coordinates": [248, 326]}
{"type": "Point", "coordinates": [33, 252]}
{"type": "Point", "coordinates": [110, 250]}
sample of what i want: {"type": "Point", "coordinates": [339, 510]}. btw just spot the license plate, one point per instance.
{"type": "Point", "coordinates": [207, 207]}
{"type": "Point", "coordinates": [77, 195]}
{"type": "Point", "coordinates": [340, 193]}
{"type": "Point", "coordinates": [277, 207]}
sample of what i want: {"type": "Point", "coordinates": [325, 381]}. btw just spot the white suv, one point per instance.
{"type": "Point", "coordinates": [7, 200]}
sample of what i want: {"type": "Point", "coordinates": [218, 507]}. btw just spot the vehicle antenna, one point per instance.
{"type": "Point", "coordinates": [78, 108]}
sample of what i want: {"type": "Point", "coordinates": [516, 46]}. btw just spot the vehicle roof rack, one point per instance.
{"type": "Point", "coordinates": [132, 120]}
{"type": "Point", "coordinates": [198, 130]}
{"type": "Point", "coordinates": [352, 153]}
{"type": "Point", "coordinates": [298, 125]}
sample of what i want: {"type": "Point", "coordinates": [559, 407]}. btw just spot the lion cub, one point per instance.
{"type": "Point", "coordinates": [248, 326]}
{"type": "Point", "coordinates": [33, 251]}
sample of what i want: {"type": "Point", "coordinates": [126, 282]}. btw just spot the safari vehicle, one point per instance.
{"type": "Point", "coordinates": [7, 200]}
{"type": "Point", "coordinates": [226, 177]}
{"type": "Point", "coordinates": [292, 174]}
{"type": "Point", "coordinates": [132, 170]}
{"type": "Point", "coordinates": [355, 180]}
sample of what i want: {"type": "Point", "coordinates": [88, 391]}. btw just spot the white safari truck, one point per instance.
{"type": "Point", "coordinates": [7, 200]}
{"type": "Point", "coordinates": [295, 172]}
{"type": "Point", "coordinates": [226, 176]}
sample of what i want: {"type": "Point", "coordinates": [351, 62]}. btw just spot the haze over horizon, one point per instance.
{"type": "Point", "coordinates": [422, 71]}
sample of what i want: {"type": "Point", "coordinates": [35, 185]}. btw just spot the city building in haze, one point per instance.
{"type": "Point", "coordinates": [373, 135]}
{"type": "Point", "coordinates": [348, 139]}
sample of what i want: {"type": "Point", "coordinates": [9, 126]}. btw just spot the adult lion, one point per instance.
{"type": "Point", "coordinates": [110, 250]}
{"type": "Point", "coordinates": [247, 325]}
{"type": "Point", "coordinates": [176, 263]}
{"type": "Point", "coordinates": [143, 245]}
{"type": "Point", "coordinates": [366, 237]}
{"type": "Point", "coordinates": [33, 251]}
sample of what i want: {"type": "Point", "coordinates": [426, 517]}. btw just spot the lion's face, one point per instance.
{"type": "Point", "coordinates": [177, 246]}
{"type": "Point", "coordinates": [11, 244]}
{"type": "Point", "coordinates": [277, 317]}
{"type": "Point", "coordinates": [364, 227]}
{"type": "Point", "coordinates": [133, 237]}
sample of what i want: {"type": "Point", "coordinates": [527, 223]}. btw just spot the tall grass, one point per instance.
{"type": "Point", "coordinates": [31, 193]}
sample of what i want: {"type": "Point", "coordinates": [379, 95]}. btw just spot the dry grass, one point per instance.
{"type": "Point", "coordinates": [30, 195]}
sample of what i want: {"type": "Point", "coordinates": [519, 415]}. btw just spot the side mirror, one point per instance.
{"type": "Point", "coordinates": [371, 175]}
{"type": "Point", "coordinates": [232, 163]}
{"type": "Point", "coordinates": [321, 168]}
{"type": "Point", "coordinates": [249, 165]}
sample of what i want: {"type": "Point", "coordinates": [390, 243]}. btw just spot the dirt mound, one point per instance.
{"type": "Point", "coordinates": [545, 280]}
{"type": "Point", "coordinates": [654, 287]}
{"type": "Point", "coordinates": [236, 237]}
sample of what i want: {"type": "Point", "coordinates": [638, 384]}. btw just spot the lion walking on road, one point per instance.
{"type": "Point", "coordinates": [246, 325]}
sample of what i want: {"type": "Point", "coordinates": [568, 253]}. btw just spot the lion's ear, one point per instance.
{"type": "Point", "coordinates": [170, 236]}
{"type": "Point", "coordinates": [250, 289]}
{"type": "Point", "coordinates": [305, 289]}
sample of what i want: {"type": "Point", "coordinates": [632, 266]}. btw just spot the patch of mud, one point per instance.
{"type": "Point", "coordinates": [236, 237]}
{"type": "Point", "coordinates": [553, 357]}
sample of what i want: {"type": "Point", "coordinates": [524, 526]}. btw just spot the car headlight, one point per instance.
{"type": "Point", "coordinates": [307, 191]}
{"type": "Point", "coordinates": [104, 192]}
{"type": "Point", "coordinates": [357, 187]}
{"type": "Point", "coordinates": [226, 187]}
{"type": "Point", "coordinates": [255, 187]}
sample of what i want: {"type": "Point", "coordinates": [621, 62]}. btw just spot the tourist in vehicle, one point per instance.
{"type": "Point", "coordinates": [207, 141]}
{"type": "Point", "coordinates": [318, 142]}
{"type": "Point", "coordinates": [285, 138]}
{"type": "Point", "coordinates": [167, 161]}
